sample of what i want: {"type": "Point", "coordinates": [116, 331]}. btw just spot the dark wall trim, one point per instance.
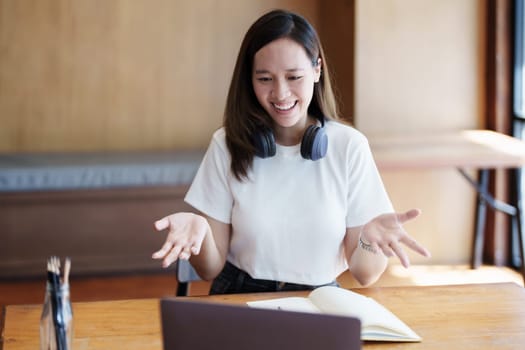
{"type": "Point", "coordinates": [498, 117]}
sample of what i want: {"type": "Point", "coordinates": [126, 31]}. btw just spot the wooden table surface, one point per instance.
{"type": "Point", "coordinates": [477, 316]}
{"type": "Point", "coordinates": [477, 149]}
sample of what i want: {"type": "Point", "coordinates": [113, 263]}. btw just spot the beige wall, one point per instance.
{"type": "Point", "coordinates": [419, 67]}
{"type": "Point", "coordinates": [118, 74]}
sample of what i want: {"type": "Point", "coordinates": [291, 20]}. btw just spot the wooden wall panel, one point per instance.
{"type": "Point", "coordinates": [419, 68]}
{"type": "Point", "coordinates": [78, 75]}
{"type": "Point", "coordinates": [337, 34]}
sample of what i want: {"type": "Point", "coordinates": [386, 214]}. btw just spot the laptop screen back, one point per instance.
{"type": "Point", "coordinates": [196, 325]}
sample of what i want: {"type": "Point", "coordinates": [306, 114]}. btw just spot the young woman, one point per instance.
{"type": "Point", "coordinates": [288, 196]}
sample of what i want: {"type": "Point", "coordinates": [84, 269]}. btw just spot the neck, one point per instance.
{"type": "Point", "coordinates": [293, 135]}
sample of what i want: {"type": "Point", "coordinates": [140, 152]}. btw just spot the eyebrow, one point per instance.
{"type": "Point", "coordinates": [291, 70]}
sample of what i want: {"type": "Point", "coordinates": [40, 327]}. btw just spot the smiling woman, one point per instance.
{"type": "Point", "coordinates": [283, 82]}
{"type": "Point", "coordinates": [327, 204]}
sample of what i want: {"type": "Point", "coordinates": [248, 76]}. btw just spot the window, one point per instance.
{"type": "Point", "coordinates": [518, 106]}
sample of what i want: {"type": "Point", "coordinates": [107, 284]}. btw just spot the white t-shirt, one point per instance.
{"type": "Point", "coordinates": [290, 217]}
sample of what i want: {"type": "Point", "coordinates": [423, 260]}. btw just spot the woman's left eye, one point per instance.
{"type": "Point", "coordinates": [295, 77]}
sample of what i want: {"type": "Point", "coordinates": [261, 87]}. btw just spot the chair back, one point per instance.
{"type": "Point", "coordinates": [185, 274]}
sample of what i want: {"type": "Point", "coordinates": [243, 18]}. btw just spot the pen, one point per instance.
{"type": "Point", "coordinates": [57, 307]}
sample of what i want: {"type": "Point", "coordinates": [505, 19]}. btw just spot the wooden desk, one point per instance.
{"type": "Point", "coordinates": [482, 316]}
{"type": "Point", "coordinates": [469, 149]}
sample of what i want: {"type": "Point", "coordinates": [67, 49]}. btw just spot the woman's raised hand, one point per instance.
{"type": "Point", "coordinates": [386, 233]}
{"type": "Point", "coordinates": [186, 232]}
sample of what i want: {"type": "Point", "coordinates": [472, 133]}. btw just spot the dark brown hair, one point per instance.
{"type": "Point", "coordinates": [243, 114]}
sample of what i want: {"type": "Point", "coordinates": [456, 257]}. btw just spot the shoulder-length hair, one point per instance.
{"type": "Point", "coordinates": [243, 115]}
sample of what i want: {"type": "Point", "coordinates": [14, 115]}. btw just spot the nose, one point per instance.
{"type": "Point", "coordinates": [280, 90]}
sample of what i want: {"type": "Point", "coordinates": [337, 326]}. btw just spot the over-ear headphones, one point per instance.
{"type": "Point", "coordinates": [314, 143]}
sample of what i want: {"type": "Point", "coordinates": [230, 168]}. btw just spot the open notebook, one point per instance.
{"type": "Point", "coordinates": [377, 322]}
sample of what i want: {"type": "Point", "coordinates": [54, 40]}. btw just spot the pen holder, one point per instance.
{"type": "Point", "coordinates": [56, 322]}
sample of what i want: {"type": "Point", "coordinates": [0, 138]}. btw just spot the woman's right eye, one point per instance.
{"type": "Point", "coordinates": [264, 79]}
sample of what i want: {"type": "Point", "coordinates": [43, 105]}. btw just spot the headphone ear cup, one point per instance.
{"type": "Point", "coordinates": [264, 143]}
{"type": "Point", "coordinates": [314, 143]}
{"type": "Point", "coordinates": [306, 142]}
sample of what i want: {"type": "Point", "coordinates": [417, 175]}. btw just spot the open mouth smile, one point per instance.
{"type": "Point", "coordinates": [284, 107]}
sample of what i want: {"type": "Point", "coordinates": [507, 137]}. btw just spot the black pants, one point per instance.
{"type": "Point", "coordinates": [233, 280]}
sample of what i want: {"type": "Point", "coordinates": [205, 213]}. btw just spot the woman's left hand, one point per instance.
{"type": "Point", "coordinates": [386, 233]}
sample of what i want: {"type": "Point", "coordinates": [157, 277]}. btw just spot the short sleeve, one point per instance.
{"type": "Point", "coordinates": [367, 196]}
{"type": "Point", "coordinates": [210, 191]}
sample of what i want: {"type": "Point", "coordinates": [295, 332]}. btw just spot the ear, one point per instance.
{"type": "Point", "coordinates": [317, 70]}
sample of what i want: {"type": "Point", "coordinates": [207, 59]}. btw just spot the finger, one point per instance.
{"type": "Point", "coordinates": [196, 247]}
{"type": "Point", "coordinates": [415, 246]}
{"type": "Point", "coordinates": [185, 253]}
{"type": "Point", "coordinates": [408, 215]}
{"type": "Point", "coordinates": [159, 254]}
{"type": "Point", "coordinates": [172, 256]}
{"type": "Point", "coordinates": [162, 224]}
{"type": "Point", "coordinates": [386, 250]}
{"type": "Point", "coordinates": [398, 250]}
{"type": "Point", "coordinates": [184, 256]}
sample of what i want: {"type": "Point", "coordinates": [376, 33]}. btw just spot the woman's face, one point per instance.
{"type": "Point", "coordinates": [283, 79]}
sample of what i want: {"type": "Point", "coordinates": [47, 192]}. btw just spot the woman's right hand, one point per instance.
{"type": "Point", "coordinates": [186, 232]}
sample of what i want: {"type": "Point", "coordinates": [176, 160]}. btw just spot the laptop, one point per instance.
{"type": "Point", "coordinates": [203, 325]}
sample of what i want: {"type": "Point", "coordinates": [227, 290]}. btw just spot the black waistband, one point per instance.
{"type": "Point", "coordinates": [233, 280]}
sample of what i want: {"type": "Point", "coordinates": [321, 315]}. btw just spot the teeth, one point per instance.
{"type": "Point", "coordinates": [284, 107]}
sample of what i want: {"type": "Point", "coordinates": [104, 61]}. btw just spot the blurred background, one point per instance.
{"type": "Point", "coordinates": [103, 76]}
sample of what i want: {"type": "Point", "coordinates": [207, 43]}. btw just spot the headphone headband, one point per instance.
{"type": "Point", "coordinates": [314, 143]}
